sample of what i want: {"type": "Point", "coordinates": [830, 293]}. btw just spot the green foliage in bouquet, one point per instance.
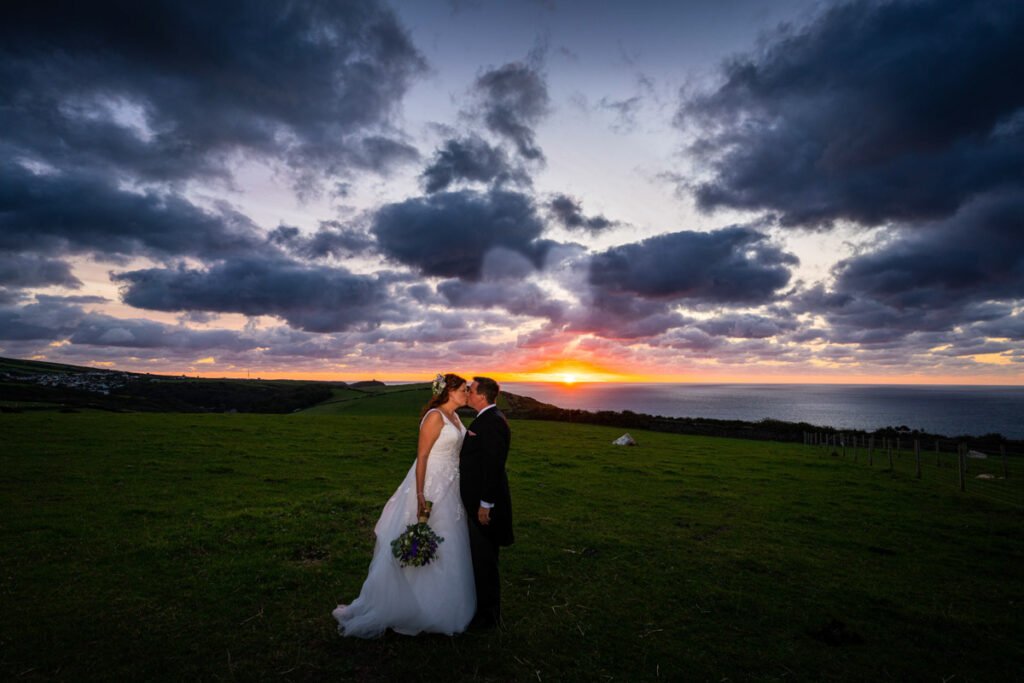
{"type": "Point", "coordinates": [416, 546]}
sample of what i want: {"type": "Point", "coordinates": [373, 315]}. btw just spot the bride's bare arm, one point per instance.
{"type": "Point", "coordinates": [429, 431]}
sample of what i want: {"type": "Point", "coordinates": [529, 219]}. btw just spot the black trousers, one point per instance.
{"type": "Point", "coordinates": [484, 552]}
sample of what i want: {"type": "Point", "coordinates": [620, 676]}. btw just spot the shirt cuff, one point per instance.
{"type": "Point", "coordinates": [485, 504]}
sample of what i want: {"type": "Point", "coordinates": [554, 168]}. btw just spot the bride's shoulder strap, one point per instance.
{"type": "Point", "coordinates": [427, 414]}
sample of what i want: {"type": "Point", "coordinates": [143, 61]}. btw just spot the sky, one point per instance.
{"type": "Point", "coordinates": [552, 190]}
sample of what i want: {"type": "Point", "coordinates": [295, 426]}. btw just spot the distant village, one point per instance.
{"type": "Point", "coordinates": [99, 382]}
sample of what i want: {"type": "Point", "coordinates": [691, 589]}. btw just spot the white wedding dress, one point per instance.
{"type": "Point", "coordinates": [437, 598]}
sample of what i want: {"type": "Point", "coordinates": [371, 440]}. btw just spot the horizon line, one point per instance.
{"type": "Point", "coordinates": [567, 380]}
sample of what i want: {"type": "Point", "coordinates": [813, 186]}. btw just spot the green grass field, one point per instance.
{"type": "Point", "coordinates": [402, 400]}
{"type": "Point", "coordinates": [213, 547]}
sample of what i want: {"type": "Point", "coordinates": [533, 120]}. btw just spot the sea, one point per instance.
{"type": "Point", "coordinates": [946, 410]}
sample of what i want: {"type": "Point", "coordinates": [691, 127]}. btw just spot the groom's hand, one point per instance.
{"type": "Point", "coordinates": [484, 515]}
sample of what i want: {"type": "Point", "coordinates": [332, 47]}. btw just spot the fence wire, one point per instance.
{"type": "Point", "coordinates": [990, 474]}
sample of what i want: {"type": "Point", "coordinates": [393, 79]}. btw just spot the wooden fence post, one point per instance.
{"type": "Point", "coordinates": [844, 445]}
{"type": "Point", "coordinates": [962, 457]}
{"type": "Point", "coordinates": [871, 450]}
{"type": "Point", "coordinates": [917, 456]}
{"type": "Point", "coordinates": [888, 449]}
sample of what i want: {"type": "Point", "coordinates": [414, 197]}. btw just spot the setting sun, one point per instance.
{"type": "Point", "coordinates": [567, 372]}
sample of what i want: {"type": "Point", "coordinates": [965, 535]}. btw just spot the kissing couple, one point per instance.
{"type": "Point", "coordinates": [461, 472]}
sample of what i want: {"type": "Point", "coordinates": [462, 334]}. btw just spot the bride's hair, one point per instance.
{"type": "Point", "coordinates": [451, 383]}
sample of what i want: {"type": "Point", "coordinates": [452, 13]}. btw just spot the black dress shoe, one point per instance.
{"type": "Point", "coordinates": [483, 622]}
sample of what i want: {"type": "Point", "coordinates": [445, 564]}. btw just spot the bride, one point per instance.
{"type": "Point", "coordinates": [439, 597]}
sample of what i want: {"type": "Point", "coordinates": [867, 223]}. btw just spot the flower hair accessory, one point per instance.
{"type": "Point", "coordinates": [438, 386]}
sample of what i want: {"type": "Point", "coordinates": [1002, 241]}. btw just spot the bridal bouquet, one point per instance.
{"type": "Point", "coordinates": [417, 545]}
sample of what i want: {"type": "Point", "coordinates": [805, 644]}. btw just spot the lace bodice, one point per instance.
{"type": "Point", "coordinates": [443, 462]}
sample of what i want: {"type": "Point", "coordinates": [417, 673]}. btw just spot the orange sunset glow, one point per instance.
{"type": "Point", "coordinates": [570, 373]}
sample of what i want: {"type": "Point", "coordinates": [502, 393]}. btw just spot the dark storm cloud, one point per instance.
{"type": "Point", "coordinates": [518, 298]}
{"type": "Point", "coordinates": [627, 327]}
{"type": "Point", "coordinates": [431, 327]}
{"type": "Point", "coordinates": [103, 330]}
{"type": "Point", "coordinates": [30, 270]}
{"type": "Point", "coordinates": [71, 213]}
{"type": "Point", "coordinates": [975, 255]}
{"type": "Point", "coordinates": [46, 319]}
{"type": "Point", "coordinates": [163, 90]}
{"type": "Point", "coordinates": [90, 336]}
{"type": "Point", "coordinates": [313, 298]}
{"type": "Point", "coordinates": [875, 111]}
{"type": "Point", "coordinates": [616, 314]}
{"type": "Point", "coordinates": [64, 319]}
{"type": "Point", "coordinates": [449, 234]}
{"type": "Point", "coordinates": [691, 340]}
{"type": "Point", "coordinates": [473, 160]}
{"type": "Point", "coordinates": [964, 269]}
{"type": "Point", "coordinates": [10, 296]}
{"type": "Point", "coordinates": [746, 326]}
{"type": "Point", "coordinates": [331, 239]}
{"type": "Point", "coordinates": [735, 265]}
{"type": "Point", "coordinates": [1009, 327]}
{"type": "Point", "coordinates": [569, 212]}
{"type": "Point", "coordinates": [513, 99]}
{"type": "Point", "coordinates": [862, 320]}
{"type": "Point", "coordinates": [504, 264]}
{"type": "Point", "coordinates": [380, 154]}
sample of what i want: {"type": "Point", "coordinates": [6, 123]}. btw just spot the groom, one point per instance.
{"type": "Point", "coordinates": [483, 485]}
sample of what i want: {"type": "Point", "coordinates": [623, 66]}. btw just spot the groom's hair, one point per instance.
{"type": "Point", "coordinates": [488, 387]}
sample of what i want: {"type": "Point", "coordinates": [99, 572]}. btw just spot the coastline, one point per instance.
{"type": "Point", "coordinates": [32, 385]}
{"type": "Point", "coordinates": [527, 408]}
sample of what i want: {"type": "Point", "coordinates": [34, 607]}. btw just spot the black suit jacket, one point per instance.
{"type": "Point", "coordinates": [482, 474]}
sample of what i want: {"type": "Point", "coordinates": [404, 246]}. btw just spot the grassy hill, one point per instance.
{"type": "Point", "coordinates": [38, 367]}
{"type": "Point", "coordinates": [402, 400]}
{"type": "Point", "coordinates": [214, 546]}
{"type": "Point", "coordinates": [398, 400]}
{"type": "Point", "coordinates": [24, 386]}
{"type": "Point", "coordinates": [33, 385]}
